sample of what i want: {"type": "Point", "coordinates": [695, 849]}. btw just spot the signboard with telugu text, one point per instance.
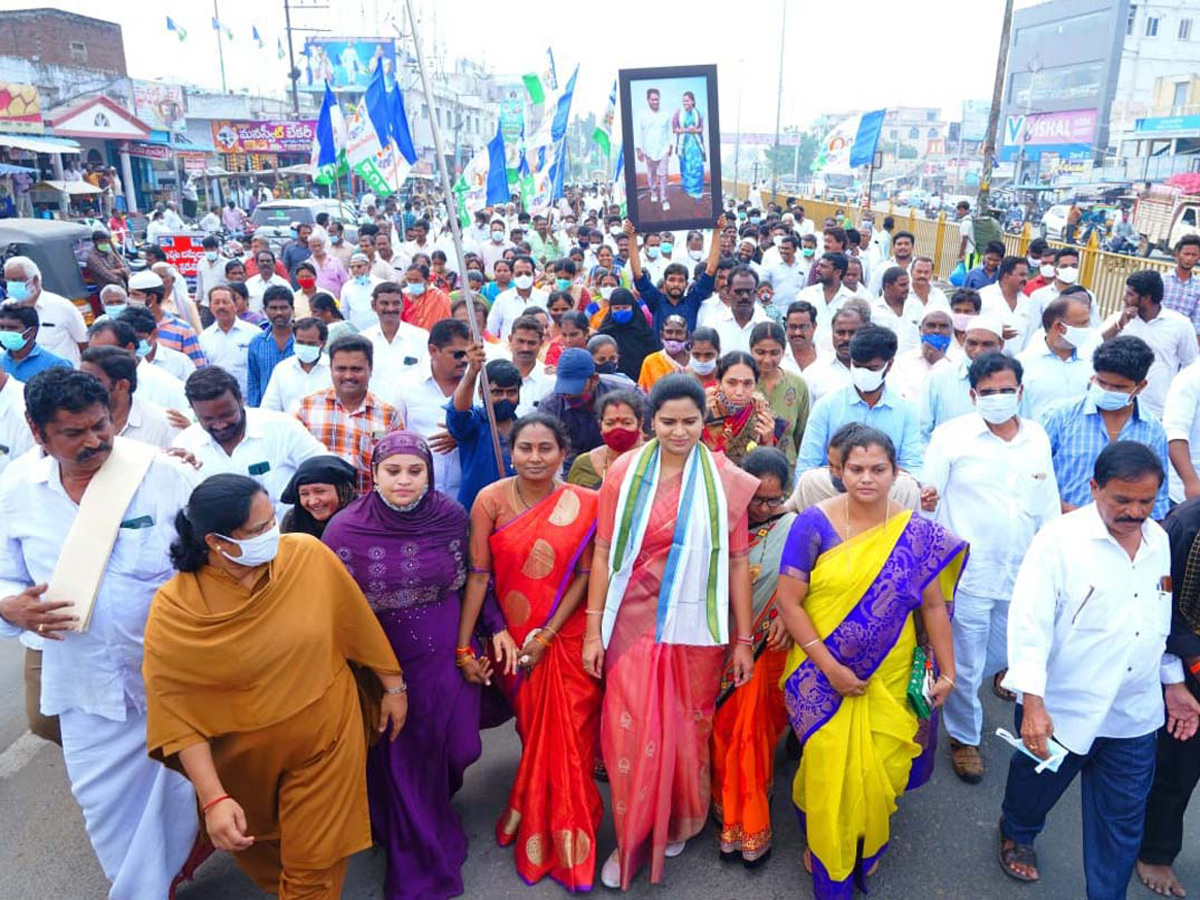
{"type": "Point", "coordinates": [264, 137]}
{"type": "Point", "coordinates": [183, 251]}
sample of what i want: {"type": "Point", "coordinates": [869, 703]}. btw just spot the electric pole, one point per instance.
{"type": "Point", "coordinates": [989, 143]}
{"type": "Point", "coordinates": [779, 94]}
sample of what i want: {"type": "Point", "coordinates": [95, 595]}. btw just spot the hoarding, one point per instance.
{"type": "Point", "coordinates": [346, 63]}
{"type": "Point", "coordinates": [148, 151]}
{"type": "Point", "coordinates": [975, 119]}
{"type": "Point", "coordinates": [20, 109]}
{"type": "Point", "coordinates": [1070, 133]}
{"type": "Point", "coordinates": [159, 105]}
{"type": "Point", "coordinates": [183, 251]}
{"type": "Point", "coordinates": [264, 137]}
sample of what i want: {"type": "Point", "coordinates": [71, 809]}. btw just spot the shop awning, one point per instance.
{"type": "Point", "coordinates": [9, 169]}
{"type": "Point", "coordinates": [40, 144]}
{"type": "Point", "coordinates": [68, 187]}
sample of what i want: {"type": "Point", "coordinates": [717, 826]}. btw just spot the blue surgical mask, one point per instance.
{"type": "Point", "coordinates": [703, 366]}
{"type": "Point", "coordinates": [18, 290]}
{"type": "Point", "coordinates": [12, 340]}
{"type": "Point", "coordinates": [809, 252]}
{"type": "Point", "coordinates": [1109, 400]}
{"type": "Point", "coordinates": [416, 288]}
{"type": "Point", "coordinates": [143, 348]}
{"type": "Point", "coordinates": [211, 255]}
{"type": "Point", "coordinates": [754, 220]}
{"type": "Point", "coordinates": [294, 233]}
{"type": "Point", "coordinates": [939, 342]}
{"type": "Point", "coordinates": [622, 316]}
{"type": "Point", "coordinates": [362, 279]}
{"type": "Point", "coordinates": [115, 310]}
{"type": "Point", "coordinates": [651, 253]}
{"type": "Point", "coordinates": [562, 283]}
{"type": "Point", "coordinates": [667, 247]}
{"type": "Point", "coordinates": [307, 353]}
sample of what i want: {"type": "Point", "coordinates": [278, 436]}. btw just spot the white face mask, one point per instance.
{"type": "Point", "coordinates": [867, 380]}
{"type": "Point", "coordinates": [606, 292]}
{"type": "Point", "coordinates": [255, 550]}
{"type": "Point", "coordinates": [695, 255]}
{"type": "Point", "coordinates": [1068, 274]}
{"type": "Point", "coordinates": [997, 409]}
{"type": "Point", "coordinates": [777, 240]}
{"type": "Point", "coordinates": [616, 231]}
{"type": "Point", "coordinates": [524, 282]}
{"type": "Point", "coordinates": [703, 367]}
{"type": "Point", "coordinates": [1047, 270]}
{"type": "Point", "coordinates": [1076, 337]}
{"type": "Point", "coordinates": [306, 353]}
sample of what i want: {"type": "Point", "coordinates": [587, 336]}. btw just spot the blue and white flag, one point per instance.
{"type": "Point", "coordinates": [329, 142]}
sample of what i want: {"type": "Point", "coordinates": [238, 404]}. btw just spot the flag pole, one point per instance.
{"type": "Point", "coordinates": [456, 234]}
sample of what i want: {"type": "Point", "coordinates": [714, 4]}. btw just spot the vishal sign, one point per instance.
{"type": "Point", "coordinates": [1070, 133]}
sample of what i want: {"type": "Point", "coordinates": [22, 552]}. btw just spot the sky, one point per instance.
{"type": "Point", "coordinates": [874, 54]}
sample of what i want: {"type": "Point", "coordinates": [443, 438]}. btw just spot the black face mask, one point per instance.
{"type": "Point", "coordinates": [606, 368]}
{"type": "Point", "coordinates": [838, 484]}
{"type": "Point", "coordinates": [505, 410]}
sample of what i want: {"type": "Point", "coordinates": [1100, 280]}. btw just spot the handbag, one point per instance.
{"type": "Point", "coordinates": [920, 683]}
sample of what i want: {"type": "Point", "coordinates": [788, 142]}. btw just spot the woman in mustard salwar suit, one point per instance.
{"type": "Point", "coordinates": [854, 572]}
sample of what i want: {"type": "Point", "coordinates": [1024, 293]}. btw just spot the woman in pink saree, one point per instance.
{"type": "Point", "coordinates": [670, 571]}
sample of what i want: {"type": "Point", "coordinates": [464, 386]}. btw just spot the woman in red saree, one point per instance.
{"type": "Point", "coordinates": [669, 570]}
{"type": "Point", "coordinates": [533, 536]}
{"type": "Point", "coordinates": [749, 722]}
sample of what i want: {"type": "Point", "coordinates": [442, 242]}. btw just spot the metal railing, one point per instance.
{"type": "Point", "coordinates": [1101, 272]}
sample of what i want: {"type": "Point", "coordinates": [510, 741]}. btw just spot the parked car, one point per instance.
{"type": "Point", "coordinates": [273, 220]}
{"type": "Point", "coordinates": [1054, 221]}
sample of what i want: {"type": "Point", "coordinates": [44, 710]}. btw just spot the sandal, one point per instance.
{"type": "Point", "coordinates": [1002, 692]}
{"type": "Point", "coordinates": [1017, 854]}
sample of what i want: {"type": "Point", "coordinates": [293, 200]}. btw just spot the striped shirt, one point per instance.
{"type": "Point", "coordinates": [262, 356]}
{"type": "Point", "coordinates": [1077, 435]}
{"type": "Point", "coordinates": [350, 435]}
{"type": "Point", "coordinates": [1182, 296]}
{"type": "Point", "coordinates": [177, 334]}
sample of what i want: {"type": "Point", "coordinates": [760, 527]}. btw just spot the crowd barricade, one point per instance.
{"type": "Point", "coordinates": [1101, 272]}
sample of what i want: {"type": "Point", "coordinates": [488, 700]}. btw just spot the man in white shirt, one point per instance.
{"type": "Point", "coordinates": [398, 345]}
{"type": "Point", "coordinates": [785, 275]}
{"type": "Point", "coordinates": [211, 221]}
{"type": "Point", "coordinates": [1004, 299]}
{"type": "Point", "coordinates": [61, 329]}
{"type": "Point", "coordinates": [226, 342]}
{"type": "Point", "coordinates": [172, 219]}
{"type": "Point", "coordinates": [745, 312]}
{"type": "Point", "coordinates": [155, 384]}
{"type": "Point", "coordinates": [1066, 273]}
{"type": "Point", "coordinates": [1170, 335]}
{"type": "Point", "coordinates": [132, 417]}
{"type": "Point", "coordinates": [305, 372]}
{"type": "Point", "coordinates": [256, 285]}
{"type": "Point", "coordinates": [654, 146]}
{"type": "Point", "coordinates": [902, 255]}
{"type": "Point", "coordinates": [210, 269]}
{"type": "Point", "coordinates": [937, 350]}
{"type": "Point", "coordinates": [898, 310]}
{"type": "Point", "coordinates": [228, 437]}
{"type": "Point", "coordinates": [509, 305]}
{"type": "Point", "coordinates": [15, 436]}
{"type": "Point", "coordinates": [800, 324]}
{"type": "Point", "coordinates": [831, 372]}
{"type": "Point", "coordinates": [494, 248]}
{"type": "Point", "coordinates": [827, 296]}
{"type": "Point", "coordinates": [355, 304]}
{"type": "Point", "coordinates": [994, 477]}
{"type": "Point", "coordinates": [921, 285]}
{"type": "Point", "coordinates": [422, 393]}
{"type": "Point", "coordinates": [1087, 629]}
{"type": "Point", "coordinates": [140, 815]}
{"type": "Point", "coordinates": [524, 343]}
{"type": "Point", "coordinates": [1058, 364]}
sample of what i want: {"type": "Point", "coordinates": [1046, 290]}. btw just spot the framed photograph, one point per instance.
{"type": "Point", "coordinates": [672, 146]}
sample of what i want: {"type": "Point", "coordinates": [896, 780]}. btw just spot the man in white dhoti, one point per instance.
{"type": "Point", "coordinates": [84, 538]}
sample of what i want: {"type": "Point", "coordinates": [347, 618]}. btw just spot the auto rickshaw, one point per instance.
{"type": "Point", "coordinates": [60, 250]}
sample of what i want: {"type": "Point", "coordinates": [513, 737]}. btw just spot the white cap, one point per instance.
{"type": "Point", "coordinates": [145, 280]}
{"type": "Point", "coordinates": [987, 322]}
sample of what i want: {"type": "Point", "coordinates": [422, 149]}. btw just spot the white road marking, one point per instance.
{"type": "Point", "coordinates": [18, 754]}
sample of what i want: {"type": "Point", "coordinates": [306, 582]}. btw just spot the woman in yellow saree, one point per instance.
{"type": "Point", "coordinates": [855, 570]}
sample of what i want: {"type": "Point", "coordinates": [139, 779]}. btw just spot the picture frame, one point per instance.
{"type": "Point", "coordinates": [685, 126]}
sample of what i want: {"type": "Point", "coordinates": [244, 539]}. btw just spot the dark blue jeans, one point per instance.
{"type": "Point", "coordinates": [1117, 774]}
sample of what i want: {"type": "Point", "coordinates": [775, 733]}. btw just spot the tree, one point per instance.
{"type": "Point", "coordinates": [782, 160]}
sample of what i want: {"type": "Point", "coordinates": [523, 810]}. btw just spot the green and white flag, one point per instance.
{"type": "Point", "coordinates": [539, 84]}
{"type": "Point", "coordinates": [364, 151]}
{"type": "Point", "coordinates": [604, 128]}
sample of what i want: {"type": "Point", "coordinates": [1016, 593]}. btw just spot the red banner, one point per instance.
{"type": "Point", "coordinates": [183, 251]}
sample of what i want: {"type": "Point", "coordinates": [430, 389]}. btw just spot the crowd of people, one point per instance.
{"type": "Point", "coordinates": [280, 550]}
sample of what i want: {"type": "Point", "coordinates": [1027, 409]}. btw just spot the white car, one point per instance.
{"type": "Point", "coordinates": [1054, 221]}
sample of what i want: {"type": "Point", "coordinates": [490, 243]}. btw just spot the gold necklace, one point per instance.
{"type": "Point", "coordinates": [849, 536]}
{"type": "Point", "coordinates": [525, 504]}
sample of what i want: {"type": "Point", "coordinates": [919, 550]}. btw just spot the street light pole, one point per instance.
{"type": "Point", "coordinates": [779, 93]}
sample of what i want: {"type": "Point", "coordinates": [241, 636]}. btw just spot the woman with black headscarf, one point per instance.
{"type": "Point", "coordinates": [321, 486]}
{"type": "Point", "coordinates": [635, 337]}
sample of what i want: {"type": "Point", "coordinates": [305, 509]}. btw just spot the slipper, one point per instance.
{"type": "Point", "coordinates": [1002, 692]}
{"type": "Point", "coordinates": [1018, 854]}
